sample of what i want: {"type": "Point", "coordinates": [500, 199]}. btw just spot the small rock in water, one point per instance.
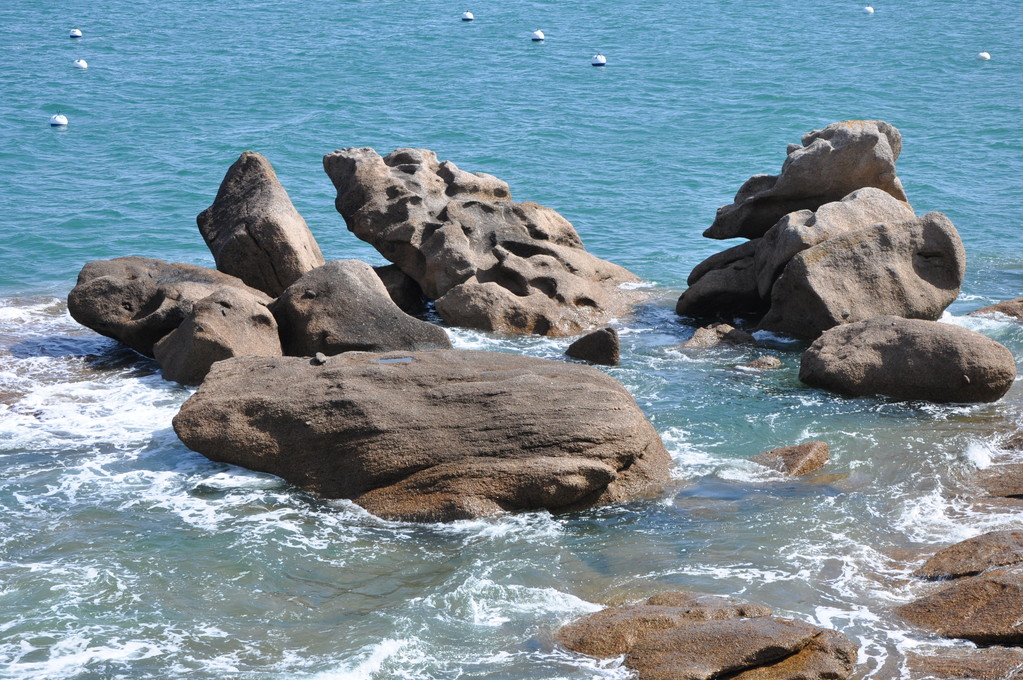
{"type": "Point", "coordinates": [764, 363]}
{"type": "Point", "coordinates": [599, 347]}
{"type": "Point", "coordinates": [795, 460]}
{"type": "Point", "coordinates": [718, 334]}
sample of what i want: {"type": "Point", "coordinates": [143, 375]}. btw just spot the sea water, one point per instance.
{"type": "Point", "coordinates": [125, 555]}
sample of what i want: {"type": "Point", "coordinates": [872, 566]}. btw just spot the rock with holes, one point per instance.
{"type": "Point", "coordinates": [254, 231]}
{"type": "Point", "coordinates": [430, 436]}
{"type": "Point", "coordinates": [489, 263]}
{"type": "Point", "coordinates": [699, 637]}
{"type": "Point", "coordinates": [974, 555]}
{"type": "Point", "coordinates": [227, 323]}
{"type": "Point", "coordinates": [343, 306]}
{"type": "Point", "coordinates": [139, 300]}
{"type": "Point", "coordinates": [909, 359]}
{"type": "Point", "coordinates": [830, 164]}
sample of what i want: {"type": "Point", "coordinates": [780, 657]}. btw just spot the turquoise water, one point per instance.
{"type": "Point", "coordinates": [124, 555]}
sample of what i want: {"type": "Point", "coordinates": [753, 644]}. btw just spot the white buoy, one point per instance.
{"type": "Point", "coordinates": [75, 33]}
{"type": "Point", "coordinates": [984, 56]}
{"type": "Point", "coordinates": [81, 63]}
{"type": "Point", "coordinates": [868, 10]}
{"type": "Point", "coordinates": [467, 16]}
{"type": "Point", "coordinates": [599, 60]}
{"type": "Point", "coordinates": [538, 36]}
{"type": "Point", "coordinates": [58, 120]}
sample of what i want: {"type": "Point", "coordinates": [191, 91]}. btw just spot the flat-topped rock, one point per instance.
{"type": "Point", "coordinates": [986, 663]}
{"type": "Point", "coordinates": [974, 555]}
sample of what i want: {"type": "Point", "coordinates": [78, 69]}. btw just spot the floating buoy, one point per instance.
{"type": "Point", "coordinates": [75, 33]}
{"type": "Point", "coordinates": [58, 120]}
{"type": "Point", "coordinates": [538, 36]}
{"type": "Point", "coordinates": [599, 60]}
{"type": "Point", "coordinates": [467, 16]}
{"type": "Point", "coordinates": [81, 63]}
{"type": "Point", "coordinates": [984, 56]}
{"type": "Point", "coordinates": [868, 10]}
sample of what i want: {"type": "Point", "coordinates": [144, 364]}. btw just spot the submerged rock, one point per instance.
{"type": "Point", "coordinates": [763, 363]}
{"type": "Point", "coordinates": [430, 436]}
{"type": "Point", "coordinates": [974, 555]}
{"type": "Point", "coordinates": [909, 359]}
{"type": "Point", "coordinates": [599, 347]}
{"type": "Point", "coordinates": [718, 334]}
{"type": "Point", "coordinates": [796, 460]}
{"type": "Point", "coordinates": [254, 231]}
{"type": "Point", "coordinates": [489, 263]}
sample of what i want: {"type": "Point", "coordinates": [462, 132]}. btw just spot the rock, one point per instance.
{"type": "Point", "coordinates": [911, 269]}
{"type": "Point", "coordinates": [987, 663]}
{"type": "Point", "coordinates": [764, 363]}
{"type": "Point", "coordinates": [718, 334]}
{"type": "Point", "coordinates": [724, 284]}
{"type": "Point", "coordinates": [795, 460]}
{"type": "Point", "coordinates": [344, 307]}
{"type": "Point", "coordinates": [254, 231]}
{"type": "Point", "coordinates": [599, 347]}
{"type": "Point", "coordinates": [403, 289]}
{"type": "Point", "coordinates": [986, 609]}
{"type": "Point", "coordinates": [489, 263]}
{"type": "Point", "coordinates": [974, 555]}
{"type": "Point", "coordinates": [227, 323]}
{"type": "Point", "coordinates": [139, 300]}
{"type": "Point", "coordinates": [909, 359]}
{"type": "Point", "coordinates": [430, 436]}
{"type": "Point", "coordinates": [1010, 308]}
{"type": "Point", "coordinates": [831, 163]}
{"type": "Point", "coordinates": [1004, 480]}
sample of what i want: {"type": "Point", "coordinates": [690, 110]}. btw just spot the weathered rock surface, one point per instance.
{"type": "Point", "coordinates": [1004, 480]}
{"type": "Point", "coordinates": [986, 663]}
{"type": "Point", "coordinates": [974, 555]}
{"type": "Point", "coordinates": [830, 164]}
{"type": "Point", "coordinates": [911, 269]}
{"type": "Point", "coordinates": [343, 306]}
{"type": "Point", "coordinates": [763, 363]}
{"type": "Point", "coordinates": [430, 436]}
{"type": "Point", "coordinates": [986, 609]}
{"type": "Point", "coordinates": [404, 291]}
{"type": "Point", "coordinates": [687, 636]}
{"type": "Point", "coordinates": [1010, 308]}
{"type": "Point", "coordinates": [254, 231]}
{"type": "Point", "coordinates": [139, 300]}
{"type": "Point", "coordinates": [227, 323]}
{"type": "Point", "coordinates": [489, 263]}
{"type": "Point", "coordinates": [718, 334]}
{"type": "Point", "coordinates": [909, 359]}
{"type": "Point", "coordinates": [796, 460]}
{"type": "Point", "coordinates": [599, 347]}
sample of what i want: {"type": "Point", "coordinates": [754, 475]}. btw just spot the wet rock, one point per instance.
{"type": "Point", "coordinates": [830, 164]}
{"type": "Point", "coordinates": [718, 334]}
{"type": "Point", "coordinates": [911, 269]}
{"type": "Point", "coordinates": [796, 460]}
{"type": "Point", "coordinates": [344, 307]}
{"type": "Point", "coordinates": [404, 291]}
{"type": "Point", "coordinates": [489, 263]}
{"type": "Point", "coordinates": [227, 323]}
{"type": "Point", "coordinates": [974, 555]}
{"type": "Point", "coordinates": [764, 363]}
{"type": "Point", "coordinates": [139, 300]}
{"type": "Point", "coordinates": [1010, 308]}
{"type": "Point", "coordinates": [599, 347]}
{"type": "Point", "coordinates": [985, 609]}
{"type": "Point", "coordinates": [430, 436]}
{"type": "Point", "coordinates": [254, 231]}
{"type": "Point", "coordinates": [1004, 480]}
{"type": "Point", "coordinates": [909, 359]}
{"type": "Point", "coordinates": [987, 663]}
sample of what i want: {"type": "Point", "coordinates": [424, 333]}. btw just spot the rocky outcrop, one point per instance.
{"type": "Point", "coordinates": [830, 164]}
{"type": "Point", "coordinates": [343, 306]}
{"type": "Point", "coordinates": [430, 436]}
{"type": "Point", "coordinates": [910, 269]}
{"type": "Point", "coordinates": [227, 323]}
{"type": "Point", "coordinates": [718, 334]}
{"type": "Point", "coordinates": [254, 231]}
{"type": "Point", "coordinates": [700, 637]}
{"type": "Point", "coordinates": [139, 300]}
{"type": "Point", "coordinates": [974, 555]}
{"type": "Point", "coordinates": [1009, 308]}
{"type": "Point", "coordinates": [599, 347]}
{"type": "Point", "coordinates": [796, 460]}
{"type": "Point", "coordinates": [987, 663]}
{"type": "Point", "coordinates": [909, 359]}
{"type": "Point", "coordinates": [489, 263]}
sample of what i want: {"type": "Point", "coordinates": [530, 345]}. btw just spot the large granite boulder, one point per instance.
{"type": "Point", "coordinates": [139, 300]}
{"type": "Point", "coordinates": [343, 306]}
{"type": "Point", "coordinates": [227, 323]}
{"type": "Point", "coordinates": [254, 231]}
{"type": "Point", "coordinates": [974, 555]}
{"type": "Point", "coordinates": [430, 436]}
{"type": "Point", "coordinates": [489, 263]}
{"type": "Point", "coordinates": [688, 636]}
{"type": "Point", "coordinates": [909, 359]}
{"type": "Point", "coordinates": [831, 163]}
{"type": "Point", "coordinates": [910, 269]}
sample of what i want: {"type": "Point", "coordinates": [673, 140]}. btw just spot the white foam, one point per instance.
{"type": "Point", "coordinates": [483, 602]}
{"type": "Point", "coordinates": [367, 662]}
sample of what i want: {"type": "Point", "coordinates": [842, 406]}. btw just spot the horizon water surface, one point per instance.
{"type": "Point", "coordinates": [125, 555]}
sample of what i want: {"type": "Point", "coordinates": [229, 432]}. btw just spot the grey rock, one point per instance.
{"type": "Point", "coordinates": [403, 289]}
{"type": "Point", "coordinates": [599, 347]}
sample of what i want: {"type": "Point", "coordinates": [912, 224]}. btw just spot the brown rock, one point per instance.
{"type": "Point", "coordinates": [430, 436]}
{"type": "Point", "coordinates": [795, 460]}
{"type": "Point", "coordinates": [254, 231]}
{"type": "Point", "coordinates": [828, 656]}
{"type": "Point", "coordinates": [909, 359]}
{"type": "Point", "coordinates": [974, 555]}
{"type": "Point", "coordinates": [1010, 308]}
{"type": "Point", "coordinates": [718, 334]}
{"type": "Point", "coordinates": [1002, 480]}
{"type": "Point", "coordinates": [763, 363]}
{"type": "Point", "coordinates": [599, 347]}
{"type": "Point", "coordinates": [987, 663]}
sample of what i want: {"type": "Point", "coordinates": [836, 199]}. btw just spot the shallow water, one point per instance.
{"type": "Point", "coordinates": [124, 555]}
